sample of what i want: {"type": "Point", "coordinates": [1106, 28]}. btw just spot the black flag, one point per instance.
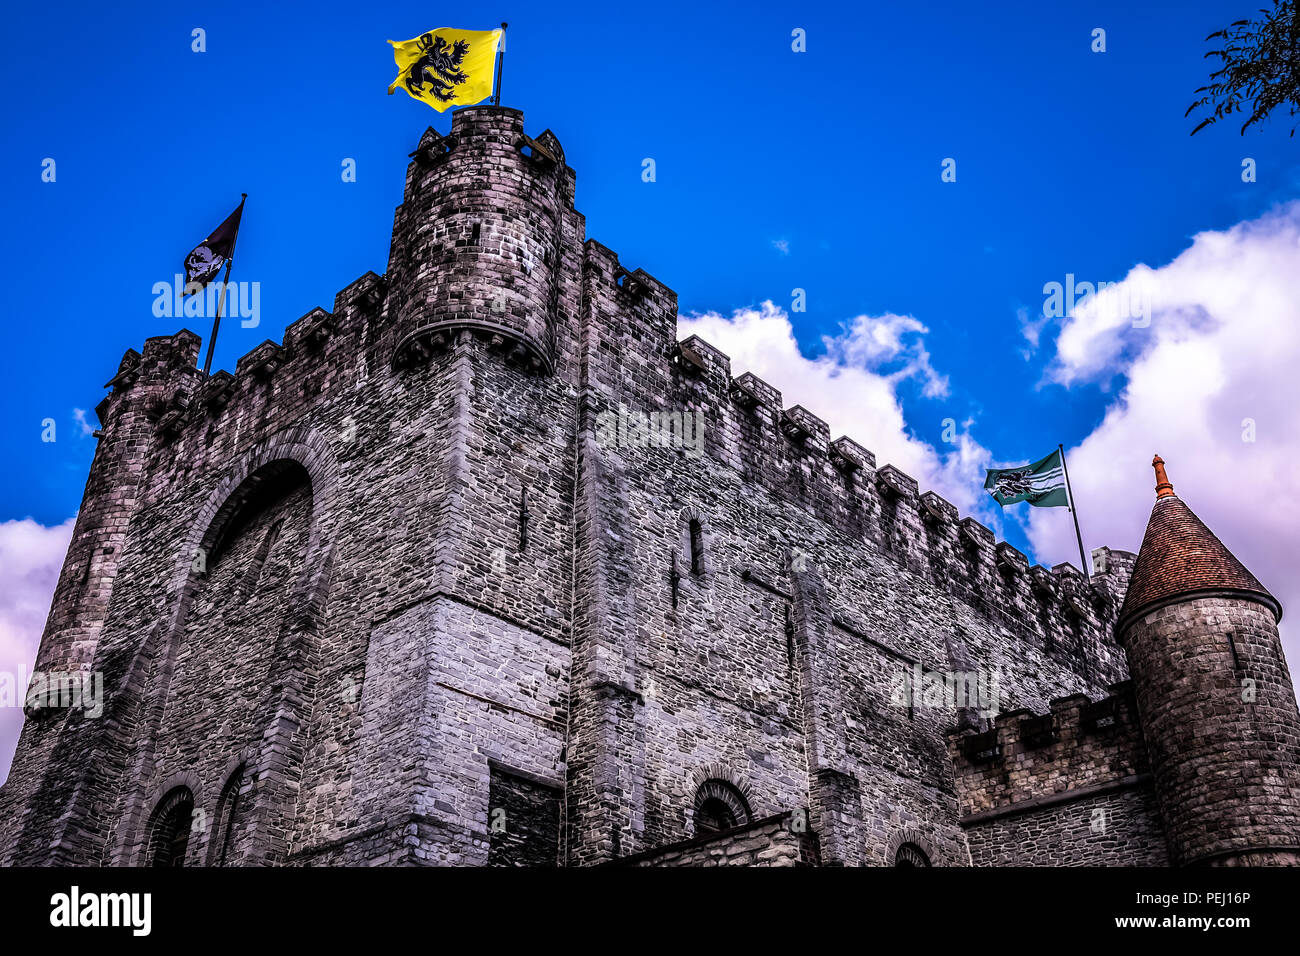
{"type": "Point", "coordinates": [207, 258]}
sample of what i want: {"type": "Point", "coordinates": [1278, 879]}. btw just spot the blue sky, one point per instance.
{"type": "Point", "coordinates": [775, 171]}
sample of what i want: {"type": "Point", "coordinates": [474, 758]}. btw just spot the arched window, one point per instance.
{"type": "Point", "coordinates": [714, 815]}
{"type": "Point", "coordinates": [909, 854]}
{"type": "Point", "coordinates": [719, 806]}
{"type": "Point", "coordinates": [229, 807]}
{"type": "Point", "coordinates": [170, 834]}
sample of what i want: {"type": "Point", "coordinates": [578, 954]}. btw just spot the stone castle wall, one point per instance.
{"type": "Point", "coordinates": [1071, 786]}
{"type": "Point", "coordinates": [484, 588]}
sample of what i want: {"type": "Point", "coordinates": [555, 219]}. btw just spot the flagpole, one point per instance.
{"type": "Point", "coordinates": [501, 62]}
{"type": "Point", "coordinates": [221, 301]}
{"type": "Point", "coordinates": [1083, 562]}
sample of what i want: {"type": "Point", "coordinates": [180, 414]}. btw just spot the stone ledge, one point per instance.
{"type": "Point", "coordinates": [701, 841]}
{"type": "Point", "coordinates": [1051, 800]}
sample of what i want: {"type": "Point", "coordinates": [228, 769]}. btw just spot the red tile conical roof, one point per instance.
{"type": "Point", "coordinates": [1180, 558]}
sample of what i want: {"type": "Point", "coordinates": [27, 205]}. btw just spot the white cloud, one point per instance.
{"type": "Point", "coordinates": [30, 558]}
{"type": "Point", "coordinates": [80, 415]}
{"type": "Point", "coordinates": [1031, 329]}
{"type": "Point", "coordinates": [782, 246]}
{"type": "Point", "coordinates": [1222, 347]}
{"type": "Point", "coordinates": [873, 342]}
{"type": "Point", "coordinates": [854, 388]}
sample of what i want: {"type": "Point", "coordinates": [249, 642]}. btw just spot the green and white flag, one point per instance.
{"type": "Point", "coordinates": [1042, 484]}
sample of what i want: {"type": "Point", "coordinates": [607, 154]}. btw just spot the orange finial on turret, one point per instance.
{"type": "Point", "coordinates": [1164, 488]}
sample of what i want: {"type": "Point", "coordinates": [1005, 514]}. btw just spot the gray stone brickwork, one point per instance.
{"type": "Point", "coordinates": [393, 575]}
{"type": "Point", "coordinates": [1220, 714]}
{"type": "Point", "coordinates": [773, 841]}
{"type": "Point", "coordinates": [1068, 787]}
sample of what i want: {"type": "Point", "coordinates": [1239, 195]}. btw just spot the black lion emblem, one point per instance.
{"type": "Point", "coordinates": [1016, 482]}
{"type": "Point", "coordinates": [438, 66]}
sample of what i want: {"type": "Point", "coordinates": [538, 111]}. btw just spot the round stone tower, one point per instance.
{"type": "Point", "coordinates": [1217, 706]}
{"type": "Point", "coordinates": [476, 243]}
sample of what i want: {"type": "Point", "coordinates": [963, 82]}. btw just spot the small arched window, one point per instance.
{"type": "Point", "coordinates": [713, 816]}
{"type": "Point", "coordinates": [909, 854]}
{"type": "Point", "coordinates": [170, 835]}
{"type": "Point", "coordinates": [719, 806]}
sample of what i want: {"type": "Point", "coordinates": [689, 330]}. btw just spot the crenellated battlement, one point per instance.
{"type": "Point", "coordinates": [713, 613]}
{"type": "Point", "coordinates": [162, 377]}
{"type": "Point", "coordinates": [790, 451]}
{"type": "Point", "coordinates": [791, 448]}
{"type": "Point", "coordinates": [641, 598]}
{"type": "Point", "coordinates": [318, 348]}
{"type": "Point", "coordinates": [511, 266]}
{"type": "Point", "coordinates": [1069, 613]}
{"type": "Point", "coordinates": [1079, 745]}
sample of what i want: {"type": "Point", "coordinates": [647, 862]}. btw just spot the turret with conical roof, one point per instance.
{"type": "Point", "coordinates": [1217, 705]}
{"type": "Point", "coordinates": [1181, 558]}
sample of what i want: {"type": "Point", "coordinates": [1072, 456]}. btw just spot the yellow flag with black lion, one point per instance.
{"type": "Point", "coordinates": [447, 67]}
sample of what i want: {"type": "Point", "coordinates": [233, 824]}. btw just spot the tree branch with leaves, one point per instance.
{"type": "Point", "coordinates": [1259, 68]}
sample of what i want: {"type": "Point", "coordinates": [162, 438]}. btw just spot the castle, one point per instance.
{"type": "Point", "coordinates": [412, 588]}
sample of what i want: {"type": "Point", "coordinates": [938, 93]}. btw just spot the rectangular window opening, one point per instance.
{"type": "Point", "coordinates": [697, 547]}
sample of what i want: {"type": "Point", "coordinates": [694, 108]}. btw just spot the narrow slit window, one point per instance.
{"type": "Point", "coordinates": [697, 546]}
{"type": "Point", "coordinates": [475, 233]}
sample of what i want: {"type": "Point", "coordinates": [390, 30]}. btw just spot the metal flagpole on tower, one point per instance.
{"type": "Point", "coordinates": [1083, 562]}
{"type": "Point", "coordinates": [501, 61]}
{"type": "Point", "coordinates": [221, 300]}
